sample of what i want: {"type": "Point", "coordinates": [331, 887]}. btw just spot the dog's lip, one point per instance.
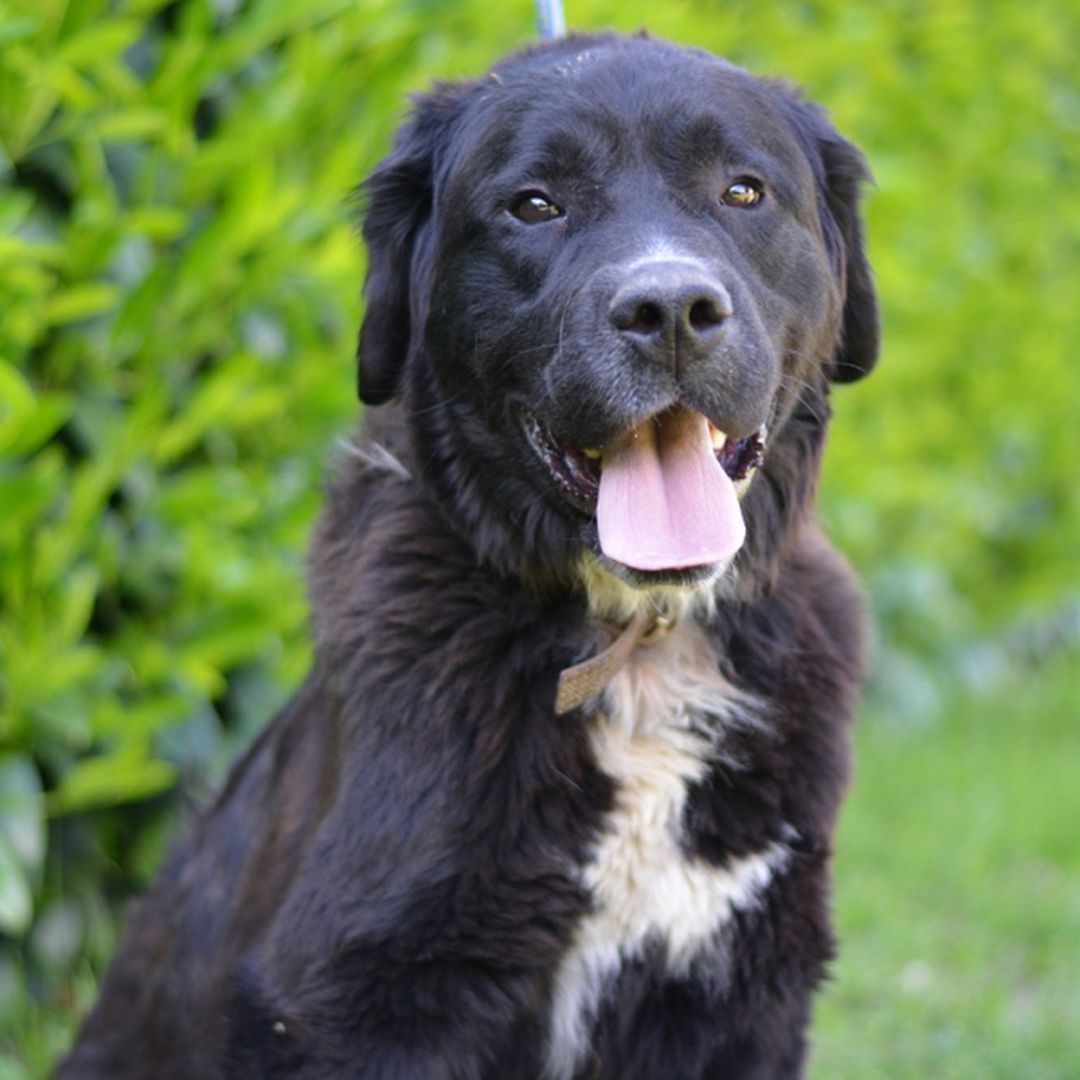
{"type": "Point", "coordinates": [576, 470]}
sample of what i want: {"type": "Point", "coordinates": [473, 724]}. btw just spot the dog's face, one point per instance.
{"type": "Point", "coordinates": [610, 282]}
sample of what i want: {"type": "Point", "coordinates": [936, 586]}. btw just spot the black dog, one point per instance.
{"type": "Point", "coordinates": [609, 286]}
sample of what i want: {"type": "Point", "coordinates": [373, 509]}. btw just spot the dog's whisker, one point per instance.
{"type": "Point", "coordinates": [572, 782]}
{"type": "Point", "coordinates": [376, 456]}
{"type": "Point", "coordinates": [440, 405]}
{"type": "Point", "coordinates": [806, 393]}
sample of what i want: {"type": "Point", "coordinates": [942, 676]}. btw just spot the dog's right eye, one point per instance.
{"type": "Point", "coordinates": [534, 207]}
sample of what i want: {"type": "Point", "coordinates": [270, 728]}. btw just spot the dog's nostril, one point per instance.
{"type": "Point", "coordinates": [647, 318]}
{"type": "Point", "coordinates": [705, 315]}
{"type": "Point", "coordinates": [638, 315]}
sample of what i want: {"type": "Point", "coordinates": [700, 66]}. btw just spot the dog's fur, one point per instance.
{"type": "Point", "coordinates": [419, 870]}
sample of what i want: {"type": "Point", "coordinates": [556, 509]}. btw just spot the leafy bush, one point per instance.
{"type": "Point", "coordinates": [178, 301]}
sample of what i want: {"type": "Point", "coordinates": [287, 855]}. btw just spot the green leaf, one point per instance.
{"type": "Point", "coordinates": [99, 42]}
{"type": "Point", "coordinates": [81, 302]}
{"type": "Point", "coordinates": [123, 775]}
{"type": "Point", "coordinates": [19, 28]}
{"type": "Point", "coordinates": [132, 124]}
{"type": "Point", "coordinates": [16, 394]}
{"type": "Point", "coordinates": [16, 897]}
{"type": "Point", "coordinates": [77, 602]}
{"type": "Point", "coordinates": [24, 432]}
{"type": "Point", "coordinates": [27, 492]}
{"type": "Point", "coordinates": [22, 812]}
{"type": "Point", "coordinates": [158, 222]}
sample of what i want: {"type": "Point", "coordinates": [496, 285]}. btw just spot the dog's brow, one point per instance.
{"type": "Point", "coordinates": [568, 153]}
{"type": "Point", "coordinates": [711, 139]}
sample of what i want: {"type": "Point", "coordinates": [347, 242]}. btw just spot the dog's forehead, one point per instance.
{"type": "Point", "coordinates": [581, 57]}
{"type": "Point", "coordinates": [635, 91]}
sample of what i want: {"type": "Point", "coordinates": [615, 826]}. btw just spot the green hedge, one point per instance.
{"type": "Point", "coordinates": [179, 277]}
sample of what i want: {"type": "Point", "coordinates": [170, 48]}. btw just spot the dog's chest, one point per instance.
{"type": "Point", "coordinates": [661, 730]}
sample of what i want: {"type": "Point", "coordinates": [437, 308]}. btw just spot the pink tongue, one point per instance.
{"type": "Point", "coordinates": [665, 501]}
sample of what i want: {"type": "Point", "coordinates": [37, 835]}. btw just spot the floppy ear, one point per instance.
{"type": "Point", "coordinates": [398, 197]}
{"type": "Point", "coordinates": [841, 170]}
{"type": "Point", "coordinates": [860, 335]}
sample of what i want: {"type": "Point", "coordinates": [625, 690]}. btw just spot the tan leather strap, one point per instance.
{"type": "Point", "coordinates": [582, 681]}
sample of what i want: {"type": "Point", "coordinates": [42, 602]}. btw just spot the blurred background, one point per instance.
{"type": "Point", "coordinates": [179, 284]}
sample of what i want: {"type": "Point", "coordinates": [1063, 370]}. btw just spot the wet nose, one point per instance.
{"type": "Point", "coordinates": [673, 313]}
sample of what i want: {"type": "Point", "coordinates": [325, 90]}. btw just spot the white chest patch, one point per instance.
{"type": "Point", "coordinates": [664, 716]}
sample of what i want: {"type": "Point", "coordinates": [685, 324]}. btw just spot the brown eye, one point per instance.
{"type": "Point", "coordinates": [534, 207]}
{"type": "Point", "coordinates": [743, 193]}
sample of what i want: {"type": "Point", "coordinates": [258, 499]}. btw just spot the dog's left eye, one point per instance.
{"type": "Point", "coordinates": [534, 207]}
{"type": "Point", "coordinates": [744, 193]}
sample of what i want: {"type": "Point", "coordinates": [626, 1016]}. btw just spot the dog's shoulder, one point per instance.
{"type": "Point", "coordinates": [803, 643]}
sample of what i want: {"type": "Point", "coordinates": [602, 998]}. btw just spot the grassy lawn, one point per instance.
{"type": "Point", "coordinates": [958, 896]}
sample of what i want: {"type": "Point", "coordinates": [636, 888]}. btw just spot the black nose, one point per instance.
{"type": "Point", "coordinates": [672, 312]}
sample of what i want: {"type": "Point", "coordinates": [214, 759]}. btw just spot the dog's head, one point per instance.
{"type": "Point", "coordinates": [609, 285]}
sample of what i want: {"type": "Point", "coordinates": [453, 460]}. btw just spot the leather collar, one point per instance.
{"type": "Point", "coordinates": [582, 681]}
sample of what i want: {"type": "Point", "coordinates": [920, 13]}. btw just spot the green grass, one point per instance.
{"type": "Point", "coordinates": [958, 895]}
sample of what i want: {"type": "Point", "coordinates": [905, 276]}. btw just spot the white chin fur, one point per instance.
{"type": "Point", "coordinates": [613, 600]}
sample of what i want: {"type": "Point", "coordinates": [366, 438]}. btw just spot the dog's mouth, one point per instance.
{"type": "Point", "coordinates": [665, 494]}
